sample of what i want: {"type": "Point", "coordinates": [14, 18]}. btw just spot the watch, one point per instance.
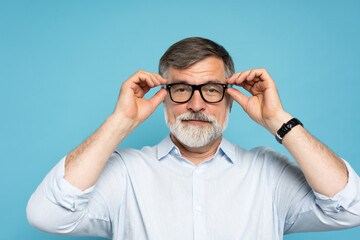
{"type": "Point", "coordinates": [285, 128]}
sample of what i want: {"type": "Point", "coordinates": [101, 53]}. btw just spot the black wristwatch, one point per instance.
{"type": "Point", "coordinates": [285, 128]}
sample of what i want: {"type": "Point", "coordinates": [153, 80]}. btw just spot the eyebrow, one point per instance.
{"type": "Point", "coordinates": [183, 81]}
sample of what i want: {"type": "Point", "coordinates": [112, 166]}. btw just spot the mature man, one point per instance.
{"type": "Point", "coordinates": [195, 184]}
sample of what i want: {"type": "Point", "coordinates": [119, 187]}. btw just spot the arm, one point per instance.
{"type": "Point", "coordinates": [325, 172]}
{"type": "Point", "coordinates": [84, 164]}
{"type": "Point", "coordinates": [68, 201]}
{"type": "Point", "coordinates": [300, 209]}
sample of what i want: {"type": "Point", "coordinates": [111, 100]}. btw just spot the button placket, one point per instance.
{"type": "Point", "coordinates": [199, 231]}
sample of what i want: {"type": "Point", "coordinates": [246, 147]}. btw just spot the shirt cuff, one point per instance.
{"type": "Point", "coordinates": [343, 199]}
{"type": "Point", "coordinates": [61, 192]}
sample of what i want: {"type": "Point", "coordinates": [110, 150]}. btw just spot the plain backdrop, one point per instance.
{"type": "Point", "coordinates": [62, 64]}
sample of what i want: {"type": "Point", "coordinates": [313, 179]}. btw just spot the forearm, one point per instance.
{"type": "Point", "coordinates": [60, 208]}
{"type": "Point", "coordinates": [325, 172]}
{"type": "Point", "coordinates": [84, 164]}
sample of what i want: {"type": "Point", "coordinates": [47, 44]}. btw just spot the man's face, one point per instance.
{"type": "Point", "coordinates": [210, 69]}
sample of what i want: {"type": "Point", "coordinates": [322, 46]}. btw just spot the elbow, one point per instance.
{"type": "Point", "coordinates": [48, 217]}
{"type": "Point", "coordinates": [34, 215]}
{"type": "Point", "coordinates": [40, 215]}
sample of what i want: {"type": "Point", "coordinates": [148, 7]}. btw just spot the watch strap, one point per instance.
{"type": "Point", "coordinates": [285, 128]}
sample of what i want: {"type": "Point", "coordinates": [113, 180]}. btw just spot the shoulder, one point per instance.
{"type": "Point", "coordinates": [262, 157]}
{"type": "Point", "coordinates": [267, 154]}
{"type": "Point", "coordinates": [123, 162]}
{"type": "Point", "coordinates": [131, 158]}
{"type": "Point", "coordinates": [146, 155]}
{"type": "Point", "coordinates": [118, 162]}
{"type": "Point", "coordinates": [134, 154]}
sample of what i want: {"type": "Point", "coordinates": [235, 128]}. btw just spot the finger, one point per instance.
{"type": "Point", "coordinates": [157, 79]}
{"type": "Point", "coordinates": [247, 87]}
{"type": "Point", "coordinates": [238, 96]}
{"type": "Point", "coordinates": [158, 97]}
{"type": "Point", "coordinates": [149, 79]}
{"type": "Point", "coordinates": [251, 76]}
{"type": "Point", "coordinates": [140, 77]}
{"type": "Point", "coordinates": [261, 74]}
{"type": "Point", "coordinates": [242, 77]}
{"type": "Point", "coordinates": [160, 78]}
{"type": "Point", "coordinates": [231, 80]}
{"type": "Point", "coordinates": [251, 82]}
{"type": "Point", "coordinates": [140, 89]}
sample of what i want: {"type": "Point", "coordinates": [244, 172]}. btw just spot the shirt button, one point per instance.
{"type": "Point", "coordinates": [198, 208]}
{"type": "Point", "coordinates": [176, 151]}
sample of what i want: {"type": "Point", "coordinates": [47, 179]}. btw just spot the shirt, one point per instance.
{"type": "Point", "coordinates": [154, 193]}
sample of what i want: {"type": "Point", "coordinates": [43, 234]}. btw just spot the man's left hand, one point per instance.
{"type": "Point", "coordinates": [264, 106]}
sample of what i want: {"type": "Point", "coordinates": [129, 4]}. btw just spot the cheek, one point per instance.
{"type": "Point", "coordinates": [173, 111]}
{"type": "Point", "coordinates": [220, 114]}
{"type": "Point", "coordinates": [169, 113]}
{"type": "Point", "coordinates": [221, 118]}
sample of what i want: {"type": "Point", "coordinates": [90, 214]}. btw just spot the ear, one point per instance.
{"type": "Point", "coordinates": [230, 102]}
{"type": "Point", "coordinates": [166, 99]}
{"type": "Point", "coordinates": [167, 95]}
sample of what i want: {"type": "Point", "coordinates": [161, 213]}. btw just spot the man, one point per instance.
{"type": "Point", "coordinates": [195, 184]}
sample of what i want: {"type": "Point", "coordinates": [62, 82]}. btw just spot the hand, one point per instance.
{"type": "Point", "coordinates": [264, 106]}
{"type": "Point", "coordinates": [131, 104]}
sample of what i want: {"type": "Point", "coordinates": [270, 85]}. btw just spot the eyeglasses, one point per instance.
{"type": "Point", "coordinates": [210, 92]}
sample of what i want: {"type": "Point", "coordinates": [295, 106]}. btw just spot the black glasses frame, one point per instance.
{"type": "Point", "coordinates": [196, 87]}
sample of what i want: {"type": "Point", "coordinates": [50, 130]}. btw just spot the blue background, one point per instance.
{"type": "Point", "coordinates": [62, 64]}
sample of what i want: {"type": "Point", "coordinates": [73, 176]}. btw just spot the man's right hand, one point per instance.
{"type": "Point", "coordinates": [131, 105]}
{"type": "Point", "coordinates": [85, 163]}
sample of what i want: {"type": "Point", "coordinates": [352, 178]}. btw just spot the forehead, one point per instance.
{"type": "Point", "coordinates": [210, 69]}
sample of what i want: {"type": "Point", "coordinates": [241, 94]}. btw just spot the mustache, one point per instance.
{"type": "Point", "coordinates": [196, 116]}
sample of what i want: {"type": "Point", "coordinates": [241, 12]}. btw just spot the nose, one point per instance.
{"type": "Point", "coordinates": [196, 103]}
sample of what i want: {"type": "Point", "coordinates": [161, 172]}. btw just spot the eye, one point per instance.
{"type": "Point", "coordinates": [212, 89]}
{"type": "Point", "coordinates": [180, 90]}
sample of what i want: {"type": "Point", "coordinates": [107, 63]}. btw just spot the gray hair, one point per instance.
{"type": "Point", "coordinates": [188, 51]}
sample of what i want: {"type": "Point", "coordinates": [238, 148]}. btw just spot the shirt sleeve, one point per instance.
{"type": "Point", "coordinates": [306, 210]}
{"type": "Point", "coordinates": [58, 207]}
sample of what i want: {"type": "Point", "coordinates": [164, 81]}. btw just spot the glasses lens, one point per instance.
{"type": "Point", "coordinates": [180, 92]}
{"type": "Point", "coordinates": [212, 92]}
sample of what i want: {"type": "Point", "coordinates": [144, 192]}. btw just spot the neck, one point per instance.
{"type": "Point", "coordinates": [197, 155]}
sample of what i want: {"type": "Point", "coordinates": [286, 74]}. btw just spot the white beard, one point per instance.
{"type": "Point", "coordinates": [193, 135]}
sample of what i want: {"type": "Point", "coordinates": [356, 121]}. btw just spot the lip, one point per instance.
{"type": "Point", "coordinates": [195, 122]}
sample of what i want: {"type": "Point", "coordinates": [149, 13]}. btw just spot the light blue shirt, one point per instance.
{"type": "Point", "coordinates": [154, 193]}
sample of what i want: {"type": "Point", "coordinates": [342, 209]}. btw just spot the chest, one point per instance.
{"type": "Point", "coordinates": [223, 203]}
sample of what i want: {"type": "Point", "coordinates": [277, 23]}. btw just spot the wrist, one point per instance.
{"type": "Point", "coordinates": [120, 125]}
{"type": "Point", "coordinates": [274, 124]}
{"type": "Point", "coordinates": [286, 128]}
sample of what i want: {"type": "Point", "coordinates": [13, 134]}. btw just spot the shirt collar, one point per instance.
{"type": "Point", "coordinates": [228, 148]}
{"type": "Point", "coordinates": [167, 145]}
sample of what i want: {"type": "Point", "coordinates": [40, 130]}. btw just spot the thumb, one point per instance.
{"type": "Point", "coordinates": [238, 96]}
{"type": "Point", "coordinates": [158, 98]}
